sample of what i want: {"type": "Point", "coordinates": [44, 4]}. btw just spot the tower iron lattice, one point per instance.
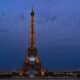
{"type": "Point", "coordinates": [32, 64]}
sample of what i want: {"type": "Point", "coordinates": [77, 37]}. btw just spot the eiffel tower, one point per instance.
{"type": "Point", "coordinates": [32, 64]}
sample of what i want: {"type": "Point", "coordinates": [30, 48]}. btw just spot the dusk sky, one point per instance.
{"type": "Point", "coordinates": [57, 27]}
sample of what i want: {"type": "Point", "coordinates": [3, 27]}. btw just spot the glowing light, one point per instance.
{"type": "Point", "coordinates": [21, 73]}
{"type": "Point", "coordinates": [32, 59]}
{"type": "Point", "coordinates": [42, 73]}
{"type": "Point", "coordinates": [37, 60]}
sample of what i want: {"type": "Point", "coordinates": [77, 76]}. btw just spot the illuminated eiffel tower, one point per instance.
{"type": "Point", "coordinates": [32, 64]}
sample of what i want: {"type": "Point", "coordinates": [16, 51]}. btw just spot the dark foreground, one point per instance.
{"type": "Point", "coordinates": [46, 78]}
{"type": "Point", "coordinates": [49, 76]}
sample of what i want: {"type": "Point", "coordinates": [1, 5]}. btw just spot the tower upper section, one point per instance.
{"type": "Point", "coordinates": [32, 32]}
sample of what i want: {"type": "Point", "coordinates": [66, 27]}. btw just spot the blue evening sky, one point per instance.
{"type": "Point", "coordinates": [57, 26]}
